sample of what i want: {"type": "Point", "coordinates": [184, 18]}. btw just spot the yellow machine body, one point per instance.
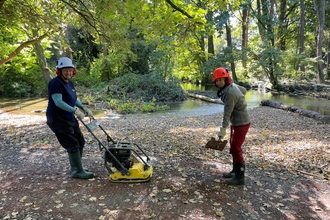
{"type": "Point", "coordinates": [137, 174]}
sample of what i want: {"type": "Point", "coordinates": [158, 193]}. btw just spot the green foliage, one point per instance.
{"type": "Point", "coordinates": [220, 20]}
{"type": "Point", "coordinates": [148, 107]}
{"type": "Point", "coordinates": [109, 67]}
{"type": "Point", "coordinates": [221, 59]}
{"type": "Point", "coordinates": [138, 62]}
{"type": "Point", "coordinates": [22, 79]}
{"type": "Point", "coordinates": [127, 107]}
{"type": "Point", "coordinates": [162, 107]}
{"type": "Point", "coordinates": [152, 107]}
{"type": "Point", "coordinates": [267, 64]}
{"type": "Point", "coordinates": [83, 46]}
{"type": "Point", "coordinates": [84, 79]}
{"type": "Point", "coordinates": [132, 92]}
{"type": "Point", "coordinates": [162, 60]}
{"type": "Point", "coordinates": [133, 106]}
{"type": "Point", "coordinates": [147, 87]}
{"type": "Point", "coordinates": [145, 37]}
{"type": "Point", "coordinates": [292, 71]}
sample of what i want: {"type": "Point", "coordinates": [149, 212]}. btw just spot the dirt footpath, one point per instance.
{"type": "Point", "coordinates": [287, 159]}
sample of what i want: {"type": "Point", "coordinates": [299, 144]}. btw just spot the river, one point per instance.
{"type": "Point", "coordinates": [195, 107]}
{"type": "Point", "coordinates": [254, 98]}
{"type": "Point", "coordinates": [190, 107]}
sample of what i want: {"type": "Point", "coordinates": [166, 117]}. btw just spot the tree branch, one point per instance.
{"type": "Point", "coordinates": [21, 47]}
{"type": "Point", "coordinates": [181, 10]}
{"type": "Point", "coordinates": [84, 14]}
{"type": "Point", "coordinates": [178, 9]}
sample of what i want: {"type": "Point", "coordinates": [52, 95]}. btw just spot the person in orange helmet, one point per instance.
{"type": "Point", "coordinates": [235, 114]}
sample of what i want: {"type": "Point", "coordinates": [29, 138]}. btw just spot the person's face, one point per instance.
{"type": "Point", "coordinates": [67, 73]}
{"type": "Point", "coordinates": [221, 82]}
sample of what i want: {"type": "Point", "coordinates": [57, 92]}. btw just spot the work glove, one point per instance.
{"type": "Point", "coordinates": [222, 133]}
{"type": "Point", "coordinates": [87, 111]}
{"type": "Point", "coordinates": [79, 114]}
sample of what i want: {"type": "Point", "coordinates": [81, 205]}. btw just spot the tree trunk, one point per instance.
{"type": "Point", "coordinates": [320, 13]}
{"type": "Point", "coordinates": [245, 37]}
{"type": "Point", "coordinates": [270, 31]}
{"type": "Point", "coordinates": [41, 58]}
{"type": "Point", "coordinates": [302, 34]}
{"type": "Point", "coordinates": [282, 25]}
{"type": "Point", "coordinates": [304, 112]}
{"type": "Point", "coordinates": [201, 58]}
{"type": "Point", "coordinates": [210, 44]}
{"type": "Point", "coordinates": [260, 13]}
{"type": "Point", "coordinates": [328, 59]}
{"type": "Point", "coordinates": [210, 41]}
{"type": "Point", "coordinates": [230, 45]}
{"type": "Point", "coordinates": [202, 97]}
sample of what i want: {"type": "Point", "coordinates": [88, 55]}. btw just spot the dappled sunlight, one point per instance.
{"type": "Point", "coordinates": [301, 148]}
{"type": "Point", "coordinates": [286, 159]}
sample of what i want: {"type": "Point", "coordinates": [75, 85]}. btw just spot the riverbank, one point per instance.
{"type": "Point", "coordinates": [296, 89]}
{"type": "Point", "coordinates": [287, 158]}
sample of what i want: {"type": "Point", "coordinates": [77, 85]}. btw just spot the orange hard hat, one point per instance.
{"type": "Point", "coordinates": [221, 72]}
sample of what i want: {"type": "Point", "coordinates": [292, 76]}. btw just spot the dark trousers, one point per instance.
{"type": "Point", "coordinates": [237, 138]}
{"type": "Point", "coordinates": [67, 132]}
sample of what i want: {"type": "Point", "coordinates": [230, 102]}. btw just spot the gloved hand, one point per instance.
{"type": "Point", "coordinates": [87, 111]}
{"type": "Point", "coordinates": [79, 114]}
{"type": "Point", "coordinates": [222, 133]}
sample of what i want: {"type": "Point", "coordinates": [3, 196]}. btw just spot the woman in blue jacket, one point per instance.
{"type": "Point", "coordinates": [62, 106]}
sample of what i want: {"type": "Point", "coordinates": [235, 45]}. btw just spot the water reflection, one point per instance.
{"type": "Point", "coordinates": [190, 107]}
{"type": "Point", "coordinates": [254, 98]}
{"type": "Point", "coordinates": [193, 107]}
{"type": "Point", "coordinates": [190, 86]}
{"type": "Point", "coordinates": [313, 104]}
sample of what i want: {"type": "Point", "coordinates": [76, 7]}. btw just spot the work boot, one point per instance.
{"type": "Point", "coordinates": [230, 174]}
{"type": "Point", "coordinates": [239, 175]}
{"type": "Point", "coordinates": [76, 167]}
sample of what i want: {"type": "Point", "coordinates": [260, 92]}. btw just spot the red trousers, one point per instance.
{"type": "Point", "coordinates": [237, 138]}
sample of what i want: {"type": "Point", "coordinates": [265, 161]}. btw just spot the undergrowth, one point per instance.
{"type": "Point", "coordinates": [134, 93]}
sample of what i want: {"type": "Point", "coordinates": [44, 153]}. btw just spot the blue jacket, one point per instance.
{"type": "Point", "coordinates": [69, 96]}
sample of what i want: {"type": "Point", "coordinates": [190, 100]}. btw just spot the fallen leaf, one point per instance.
{"type": "Point", "coordinates": [23, 199]}
{"type": "Point", "coordinates": [167, 190]}
{"type": "Point", "coordinates": [92, 199]}
{"type": "Point", "coordinates": [219, 214]}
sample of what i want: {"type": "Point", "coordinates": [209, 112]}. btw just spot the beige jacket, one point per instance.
{"type": "Point", "coordinates": [235, 107]}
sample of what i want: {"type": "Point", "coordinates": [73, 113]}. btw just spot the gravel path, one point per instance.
{"type": "Point", "coordinates": [287, 157]}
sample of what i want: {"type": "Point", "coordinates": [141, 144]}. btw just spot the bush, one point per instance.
{"type": "Point", "coordinates": [17, 82]}
{"type": "Point", "coordinates": [126, 108]}
{"type": "Point", "coordinates": [147, 87]}
{"type": "Point", "coordinates": [147, 107]}
{"type": "Point", "coordinates": [85, 79]}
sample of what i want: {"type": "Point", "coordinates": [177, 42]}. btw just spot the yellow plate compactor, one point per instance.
{"type": "Point", "coordinates": [125, 161]}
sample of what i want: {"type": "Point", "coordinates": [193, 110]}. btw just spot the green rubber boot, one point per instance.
{"type": "Point", "coordinates": [230, 174]}
{"type": "Point", "coordinates": [81, 154]}
{"type": "Point", "coordinates": [239, 175]}
{"type": "Point", "coordinates": [76, 167]}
